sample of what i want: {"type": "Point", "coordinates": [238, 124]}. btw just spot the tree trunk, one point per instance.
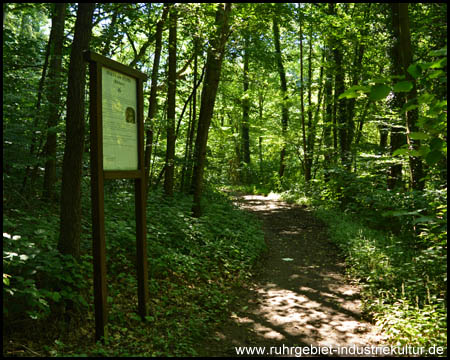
{"type": "Point", "coordinates": [328, 116]}
{"type": "Point", "coordinates": [186, 146]}
{"type": "Point", "coordinates": [284, 107]}
{"type": "Point", "coordinates": [311, 128]}
{"type": "Point", "coordinates": [70, 217]}
{"type": "Point", "coordinates": [187, 169]}
{"type": "Point", "coordinates": [306, 168]}
{"type": "Point", "coordinates": [260, 111]}
{"type": "Point", "coordinates": [171, 102]}
{"type": "Point", "coordinates": [312, 135]}
{"type": "Point", "coordinates": [340, 110]}
{"type": "Point", "coordinates": [398, 138]}
{"type": "Point", "coordinates": [412, 116]}
{"type": "Point", "coordinates": [350, 121]}
{"type": "Point", "coordinates": [341, 107]}
{"type": "Point", "coordinates": [246, 108]}
{"type": "Point", "coordinates": [212, 76]}
{"type": "Point", "coordinates": [54, 97]}
{"type": "Point", "coordinates": [37, 117]}
{"type": "Point", "coordinates": [153, 101]}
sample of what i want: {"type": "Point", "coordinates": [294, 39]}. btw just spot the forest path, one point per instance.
{"type": "Point", "coordinates": [300, 296]}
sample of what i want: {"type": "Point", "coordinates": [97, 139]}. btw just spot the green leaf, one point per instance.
{"type": "Point", "coordinates": [440, 52]}
{"type": "Point", "coordinates": [353, 91]}
{"type": "Point", "coordinates": [425, 98]}
{"type": "Point", "coordinates": [424, 219]}
{"type": "Point", "coordinates": [418, 136]}
{"type": "Point", "coordinates": [415, 70]}
{"type": "Point", "coordinates": [415, 153]}
{"type": "Point", "coordinates": [437, 144]}
{"type": "Point", "coordinates": [6, 279]}
{"type": "Point", "coordinates": [439, 64]}
{"type": "Point", "coordinates": [348, 94]}
{"type": "Point", "coordinates": [55, 296]}
{"type": "Point", "coordinates": [436, 74]}
{"type": "Point", "coordinates": [433, 157]}
{"type": "Point", "coordinates": [403, 86]}
{"type": "Point", "coordinates": [379, 91]}
{"type": "Point", "coordinates": [401, 151]}
{"type": "Point", "coordinates": [399, 213]}
{"type": "Point", "coordinates": [411, 105]}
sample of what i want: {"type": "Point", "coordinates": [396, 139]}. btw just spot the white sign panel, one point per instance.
{"type": "Point", "coordinates": [120, 123]}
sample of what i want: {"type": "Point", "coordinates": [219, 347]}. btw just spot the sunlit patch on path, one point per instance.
{"type": "Point", "coordinates": [300, 295]}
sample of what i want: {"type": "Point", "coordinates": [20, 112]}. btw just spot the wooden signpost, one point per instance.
{"type": "Point", "coordinates": [117, 152]}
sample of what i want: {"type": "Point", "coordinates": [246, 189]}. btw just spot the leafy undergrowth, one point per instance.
{"type": "Point", "coordinates": [193, 266]}
{"type": "Point", "coordinates": [395, 244]}
{"type": "Point", "coordinates": [404, 288]}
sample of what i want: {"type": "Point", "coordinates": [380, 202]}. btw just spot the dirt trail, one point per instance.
{"type": "Point", "coordinates": [299, 296]}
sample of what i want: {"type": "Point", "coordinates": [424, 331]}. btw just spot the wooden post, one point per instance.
{"type": "Point", "coordinates": [98, 175]}
{"type": "Point", "coordinates": [97, 198]}
{"type": "Point", "coordinates": [140, 205]}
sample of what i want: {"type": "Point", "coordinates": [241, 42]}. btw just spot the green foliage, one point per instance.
{"type": "Point", "coordinates": [193, 265]}
{"type": "Point", "coordinates": [404, 288]}
{"type": "Point", "coordinates": [38, 277]}
{"type": "Point", "coordinates": [429, 76]}
{"type": "Point", "coordinates": [395, 243]}
{"type": "Point", "coordinates": [379, 91]}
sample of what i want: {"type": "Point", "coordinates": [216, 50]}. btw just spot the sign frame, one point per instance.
{"type": "Point", "coordinates": [99, 175]}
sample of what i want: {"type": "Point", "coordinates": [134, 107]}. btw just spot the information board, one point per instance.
{"type": "Point", "coordinates": [116, 152]}
{"type": "Point", "coordinates": [120, 128]}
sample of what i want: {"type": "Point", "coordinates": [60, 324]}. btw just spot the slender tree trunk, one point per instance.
{"type": "Point", "coordinates": [212, 76]}
{"type": "Point", "coordinates": [328, 116]}
{"type": "Point", "coordinates": [412, 116]}
{"type": "Point", "coordinates": [245, 115]}
{"type": "Point", "coordinates": [341, 107]}
{"type": "Point", "coordinates": [398, 137]}
{"type": "Point", "coordinates": [361, 122]}
{"type": "Point", "coordinates": [312, 137]}
{"type": "Point", "coordinates": [153, 100]}
{"type": "Point", "coordinates": [260, 110]}
{"type": "Point", "coordinates": [192, 124]}
{"type": "Point", "coordinates": [340, 104]}
{"type": "Point", "coordinates": [284, 107]}
{"type": "Point", "coordinates": [350, 121]}
{"type": "Point", "coordinates": [37, 118]}
{"type": "Point", "coordinates": [70, 217]}
{"type": "Point", "coordinates": [171, 102]}
{"type": "Point", "coordinates": [186, 148]}
{"type": "Point", "coordinates": [311, 130]}
{"type": "Point", "coordinates": [306, 168]}
{"type": "Point", "coordinates": [384, 132]}
{"type": "Point", "coordinates": [246, 108]}
{"type": "Point", "coordinates": [54, 97]}
{"type": "Point", "coordinates": [187, 102]}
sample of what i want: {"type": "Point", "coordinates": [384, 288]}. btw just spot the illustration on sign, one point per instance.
{"type": "Point", "coordinates": [120, 132]}
{"type": "Point", "coordinates": [129, 115]}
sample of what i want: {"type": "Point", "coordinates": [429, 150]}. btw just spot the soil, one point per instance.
{"type": "Point", "coordinates": [299, 295]}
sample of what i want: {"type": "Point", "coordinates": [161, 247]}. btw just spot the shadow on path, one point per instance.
{"type": "Point", "coordinates": [300, 296]}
